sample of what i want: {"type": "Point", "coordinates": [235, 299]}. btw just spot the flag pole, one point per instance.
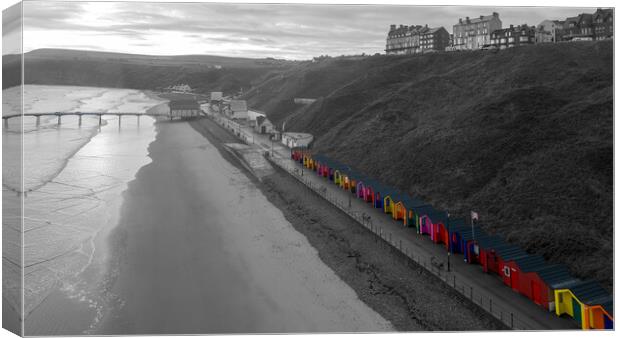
{"type": "Point", "coordinates": [473, 234]}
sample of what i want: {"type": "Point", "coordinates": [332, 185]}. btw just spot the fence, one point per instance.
{"type": "Point", "coordinates": [386, 240]}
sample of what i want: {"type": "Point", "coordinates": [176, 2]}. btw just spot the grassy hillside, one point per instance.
{"type": "Point", "coordinates": [85, 68]}
{"type": "Point", "coordinates": [522, 136]}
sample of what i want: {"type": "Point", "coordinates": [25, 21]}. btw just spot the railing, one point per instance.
{"type": "Point", "coordinates": [396, 247]}
{"type": "Point", "coordinates": [386, 239]}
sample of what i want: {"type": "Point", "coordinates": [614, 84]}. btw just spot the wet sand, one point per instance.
{"type": "Point", "coordinates": [200, 249]}
{"type": "Point", "coordinates": [404, 293]}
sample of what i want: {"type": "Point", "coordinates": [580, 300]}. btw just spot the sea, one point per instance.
{"type": "Point", "coordinates": [73, 177]}
{"type": "Point", "coordinates": [72, 188]}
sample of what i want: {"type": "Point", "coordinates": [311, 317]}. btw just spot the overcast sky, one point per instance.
{"type": "Point", "coordinates": [251, 30]}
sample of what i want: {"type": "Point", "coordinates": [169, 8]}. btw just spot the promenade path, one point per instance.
{"type": "Point", "coordinates": [485, 290]}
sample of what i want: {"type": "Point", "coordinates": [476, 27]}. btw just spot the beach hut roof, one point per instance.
{"type": "Point", "coordinates": [506, 248]}
{"type": "Point", "coordinates": [457, 222]}
{"type": "Point", "coordinates": [330, 162]}
{"type": "Point", "coordinates": [608, 305]}
{"type": "Point", "coordinates": [554, 274]}
{"type": "Point", "coordinates": [424, 209]}
{"type": "Point", "coordinates": [589, 292]}
{"type": "Point", "coordinates": [530, 263]}
{"type": "Point", "coordinates": [408, 201]}
{"type": "Point", "coordinates": [491, 242]}
{"type": "Point", "coordinates": [477, 233]}
{"type": "Point", "coordinates": [438, 216]}
{"type": "Point", "coordinates": [511, 253]}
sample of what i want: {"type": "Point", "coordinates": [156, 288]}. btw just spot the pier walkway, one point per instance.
{"type": "Point", "coordinates": [485, 290]}
{"type": "Point", "coordinates": [77, 113]}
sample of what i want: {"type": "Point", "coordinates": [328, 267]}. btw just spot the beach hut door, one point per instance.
{"type": "Point", "coordinates": [577, 311]}
{"type": "Point", "coordinates": [536, 293]}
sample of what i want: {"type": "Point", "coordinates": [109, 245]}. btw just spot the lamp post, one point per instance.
{"type": "Point", "coordinates": [449, 240]}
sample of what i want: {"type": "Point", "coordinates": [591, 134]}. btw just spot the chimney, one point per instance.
{"type": "Point", "coordinates": [460, 20]}
{"type": "Point", "coordinates": [426, 26]}
{"type": "Point", "coordinates": [495, 14]}
{"type": "Point", "coordinates": [401, 26]}
{"type": "Point", "coordinates": [392, 27]}
{"type": "Point", "coordinates": [481, 17]}
{"type": "Point", "coordinates": [467, 19]}
{"type": "Point", "coordinates": [511, 26]}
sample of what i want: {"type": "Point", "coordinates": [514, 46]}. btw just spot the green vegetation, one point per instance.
{"type": "Point", "coordinates": [203, 73]}
{"type": "Point", "coordinates": [523, 136]}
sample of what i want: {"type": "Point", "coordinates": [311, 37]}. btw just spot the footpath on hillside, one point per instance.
{"type": "Point", "coordinates": [485, 290]}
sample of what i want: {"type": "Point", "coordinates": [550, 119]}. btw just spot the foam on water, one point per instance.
{"type": "Point", "coordinates": [73, 176]}
{"type": "Point", "coordinates": [48, 146]}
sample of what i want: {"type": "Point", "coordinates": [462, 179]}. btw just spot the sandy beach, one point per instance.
{"type": "Point", "coordinates": [200, 249]}
{"type": "Point", "coordinates": [407, 295]}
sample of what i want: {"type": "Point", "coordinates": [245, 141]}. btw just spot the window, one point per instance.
{"type": "Point", "coordinates": [506, 271]}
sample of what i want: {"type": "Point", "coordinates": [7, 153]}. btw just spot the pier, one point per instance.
{"type": "Point", "coordinates": [79, 114]}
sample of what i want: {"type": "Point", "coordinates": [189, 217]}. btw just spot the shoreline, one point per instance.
{"type": "Point", "coordinates": [185, 266]}
{"type": "Point", "coordinates": [380, 279]}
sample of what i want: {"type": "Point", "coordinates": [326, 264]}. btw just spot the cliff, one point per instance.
{"type": "Point", "coordinates": [523, 136]}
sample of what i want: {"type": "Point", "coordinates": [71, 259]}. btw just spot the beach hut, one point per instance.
{"type": "Point", "coordinates": [321, 165]}
{"type": "Point", "coordinates": [443, 231]}
{"type": "Point", "coordinates": [601, 317]}
{"type": "Point", "coordinates": [456, 229]}
{"type": "Point", "coordinates": [489, 247]}
{"type": "Point", "coordinates": [507, 267]}
{"type": "Point", "coordinates": [349, 180]}
{"type": "Point", "coordinates": [388, 202]}
{"type": "Point", "coordinates": [357, 183]}
{"type": "Point", "coordinates": [399, 210]}
{"type": "Point", "coordinates": [382, 196]}
{"type": "Point", "coordinates": [438, 222]}
{"type": "Point", "coordinates": [538, 282]}
{"type": "Point", "coordinates": [469, 244]}
{"type": "Point", "coordinates": [418, 212]}
{"type": "Point", "coordinates": [372, 193]}
{"type": "Point", "coordinates": [512, 270]}
{"type": "Point", "coordinates": [587, 302]}
{"type": "Point", "coordinates": [337, 176]}
{"type": "Point", "coordinates": [404, 209]}
{"type": "Point", "coordinates": [360, 189]}
{"type": "Point", "coordinates": [425, 222]}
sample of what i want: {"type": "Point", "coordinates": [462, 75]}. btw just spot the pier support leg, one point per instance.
{"type": "Point", "coordinates": [6, 123]}
{"type": "Point", "coordinates": [58, 119]}
{"type": "Point", "coordinates": [138, 116]}
{"type": "Point", "coordinates": [79, 120]}
{"type": "Point", "coordinates": [119, 121]}
{"type": "Point", "coordinates": [38, 120]}
{"type": "Point", "coordinates": [99, 120]}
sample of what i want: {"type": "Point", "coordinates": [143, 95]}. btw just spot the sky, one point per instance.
{"type": "Point", "coordinates": [289, 31]}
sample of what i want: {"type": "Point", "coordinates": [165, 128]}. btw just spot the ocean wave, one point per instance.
{"type": "Point", "coordinates": [48, 146]}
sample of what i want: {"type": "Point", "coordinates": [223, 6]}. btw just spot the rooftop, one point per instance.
{"type": "Point", "coordinates": [183, 104]}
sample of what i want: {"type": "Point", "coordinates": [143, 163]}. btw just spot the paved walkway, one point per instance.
{"type": "Point", "coordinates": [486, 290]}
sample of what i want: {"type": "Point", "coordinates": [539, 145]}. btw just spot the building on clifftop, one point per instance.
{"type": "Point", "coordinates": [416, 39]}
{"type": "Point", "coordinates": [471, 34]}
{"type": "Point", "coordinates": [513, 36]}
